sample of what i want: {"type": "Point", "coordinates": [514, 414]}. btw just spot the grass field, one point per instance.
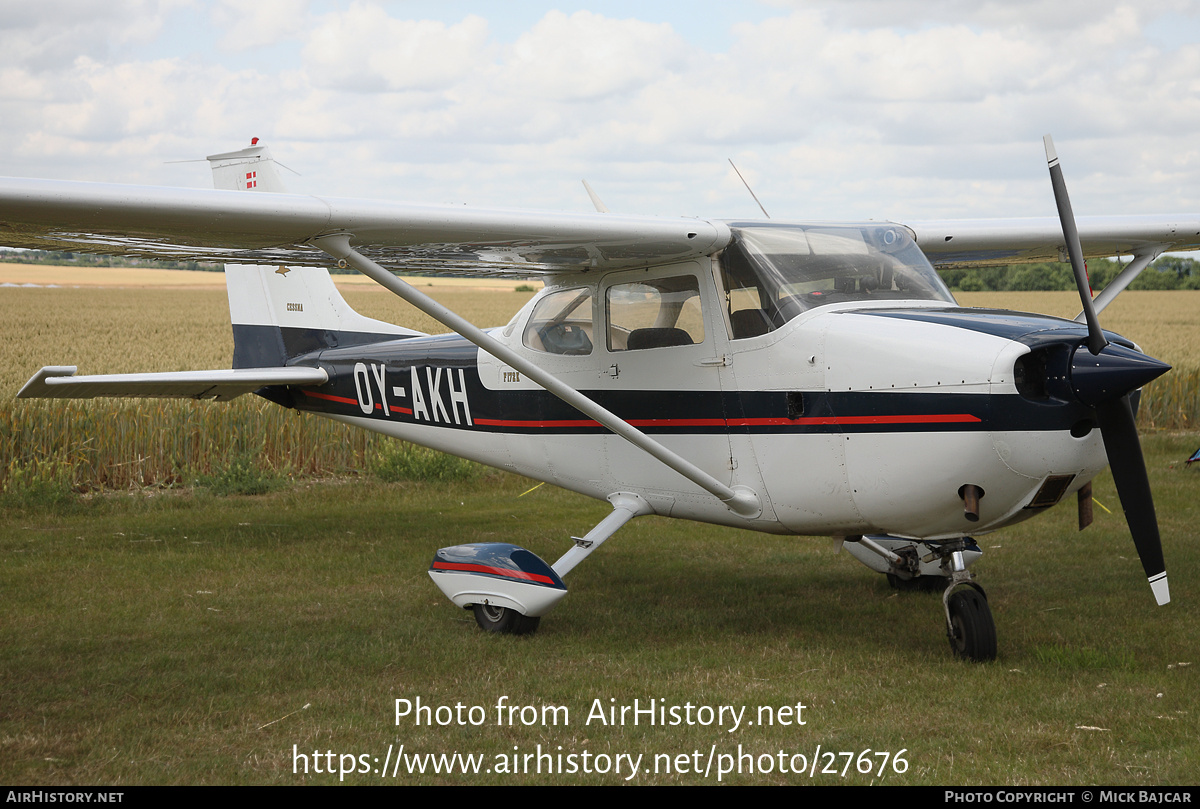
{"type": "Point", "coordinates": [171, 636]}
{"type": "Point", "coordinates": [184, 639]}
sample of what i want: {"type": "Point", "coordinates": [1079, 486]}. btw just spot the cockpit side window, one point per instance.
{"type": "Point", "coordinates": [655, 313]}
{"type": "Point", "coordinates": [771, 273]}
{"type": "Point", "coordinates": [561, 323]}
{"type": "Point", "coordinates": [747, 301]}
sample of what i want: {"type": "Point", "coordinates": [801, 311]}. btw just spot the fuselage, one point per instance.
{"type": "Point", "coordinates": [847, 411]}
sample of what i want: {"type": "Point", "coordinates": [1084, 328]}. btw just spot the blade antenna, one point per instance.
{"type": "Point", "coordinates": [748, 188]}
{"type": "Point", "coordinates": [289, 168]}
{"type": "Point", "coordinates": [599, 205]}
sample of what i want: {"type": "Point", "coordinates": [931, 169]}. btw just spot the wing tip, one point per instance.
{"type": "Point", "coordinates": [37, 386]}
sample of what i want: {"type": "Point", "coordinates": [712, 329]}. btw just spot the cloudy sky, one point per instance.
{"type": "Point", "coordinates": [833, 109]}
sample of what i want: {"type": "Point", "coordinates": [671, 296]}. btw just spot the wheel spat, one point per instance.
{"type": "Point", "coordinates": [1105, 381]}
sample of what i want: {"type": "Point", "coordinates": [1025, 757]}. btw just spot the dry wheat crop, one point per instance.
{"type": "Point", "coordinates": [165, 327]}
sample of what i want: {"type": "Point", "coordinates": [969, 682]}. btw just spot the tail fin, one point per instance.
{"type": "Point", "coordinates": [282, 312]}
{"type": "Point", "coordinates": [249, 169]}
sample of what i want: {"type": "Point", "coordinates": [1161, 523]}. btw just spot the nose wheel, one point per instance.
{"type": "Point", "coordinates": [969, 625]}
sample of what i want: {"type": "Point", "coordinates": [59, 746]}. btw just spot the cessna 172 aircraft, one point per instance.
{"type": "Point", "coordinates": [798, 378]}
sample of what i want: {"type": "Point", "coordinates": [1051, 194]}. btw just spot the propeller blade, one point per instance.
{"type": "Point", "coordinates": [1105, 383]}
{"type": "Point", "coordinates": [1133, 487]}
{"type": "Point", "coordinates": [1096, 341]}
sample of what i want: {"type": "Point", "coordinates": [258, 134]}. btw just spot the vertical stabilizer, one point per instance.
{"type": "Point", "coordinates": [282, 312]}
{"type": "Point", "coordinates": [249, 169]}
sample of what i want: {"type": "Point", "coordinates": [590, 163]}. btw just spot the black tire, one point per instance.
{"type": "Point", "coordinates": [504, 621]}
{"type": "Point", "coordinates": [972, 630]}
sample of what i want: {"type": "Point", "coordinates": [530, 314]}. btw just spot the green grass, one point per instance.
{"type": "Point", "coordinates": [394, 461]}
{"type": "Point", "coordinates": [242, 475]}
{"type": "Point", "coordinates": [171, 638]}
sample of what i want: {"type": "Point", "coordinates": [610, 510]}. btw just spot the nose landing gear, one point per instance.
{"type": "Point", "coordinates": [937, 566]}
{"type": "Point", "coordinates": [969, 625]}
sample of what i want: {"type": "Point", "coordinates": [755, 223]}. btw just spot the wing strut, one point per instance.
{"type": "Point", "coordinates": [740, 499]}
{"type": "Point", "coordinates": [1141, 260]}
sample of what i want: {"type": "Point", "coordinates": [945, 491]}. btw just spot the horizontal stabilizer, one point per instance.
{"type": "Point", "coordinates": [60, 382]}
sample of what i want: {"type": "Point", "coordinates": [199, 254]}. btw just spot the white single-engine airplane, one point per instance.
{"type": "Point", "coordinates": [799, 378]}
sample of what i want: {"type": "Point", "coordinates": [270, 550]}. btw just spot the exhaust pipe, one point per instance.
{"type": "Point", "coordinates": [970, 494]}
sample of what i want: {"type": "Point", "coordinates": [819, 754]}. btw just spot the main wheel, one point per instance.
{"type": "Point", "coordinates": [972, 630]}
{"type": "Point", "coordinates": [504, 621]}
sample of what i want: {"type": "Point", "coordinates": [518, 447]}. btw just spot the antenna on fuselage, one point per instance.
{"type": "Point", "coordinates": [600, 206]}
{"type": "Point", "coordinates": [748, 188]}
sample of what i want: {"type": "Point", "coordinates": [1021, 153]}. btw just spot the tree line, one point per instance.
{"type": "Point", "coordinates": [1167, 272]}
{"type": "Point", "coordinates": [66, 258]}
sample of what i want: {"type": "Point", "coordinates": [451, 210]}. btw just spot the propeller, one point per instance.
{"type": "Point", "coordinates": [1104, 381]}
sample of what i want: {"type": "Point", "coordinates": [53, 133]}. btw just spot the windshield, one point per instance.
{"type": "Point", "coordinates": [772, 273]}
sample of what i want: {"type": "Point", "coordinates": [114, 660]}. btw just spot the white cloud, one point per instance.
{"type": "Point", "coordinates": [259, 23]}
{"type": "Point", "coordinates": [588, 57]}
{"type": "Point", "coordinates": [364, 49]}
{"type": "Point", "coordinates": [847, 109]}
{"type": "Point", "coordinates": [45, 35]}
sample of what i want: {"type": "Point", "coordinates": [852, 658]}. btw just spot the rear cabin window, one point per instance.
{"type": "Point", "coordinates": [561, 323]}
{"type": "Point", "coordinates": [656, 313]}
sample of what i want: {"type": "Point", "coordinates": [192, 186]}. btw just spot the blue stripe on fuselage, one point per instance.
{"type": "Point", "coordinates": [1021, 327]}
{"type": "Point", "coordinates": [435, 381]}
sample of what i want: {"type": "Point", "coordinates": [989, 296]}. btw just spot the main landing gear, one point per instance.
{"type": "Point", "coordinates": [937, 566]}
{"type": "Point", "coordinates": [509, 588]}
{"type": "Point", "coordinates": [504, 621]}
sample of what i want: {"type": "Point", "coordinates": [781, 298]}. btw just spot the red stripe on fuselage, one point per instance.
{"type": "Point", "coordinates": [943, 418]}
{"type": "Point", "coordinates": [330, 397]}
{"type": "Point", "coordinates": [534, 423]}
{"type": "Point", "coordinates": [343, 400]}
{"type": "Point", "coordinates": [947, 418]}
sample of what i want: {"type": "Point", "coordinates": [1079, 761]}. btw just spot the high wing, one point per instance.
{"type": "Point", "coordinates": [60, 382]}
{"type": "Point", "coordinates": [266, 228]}
{"type": "Point", "coordinates": [959, 243]}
